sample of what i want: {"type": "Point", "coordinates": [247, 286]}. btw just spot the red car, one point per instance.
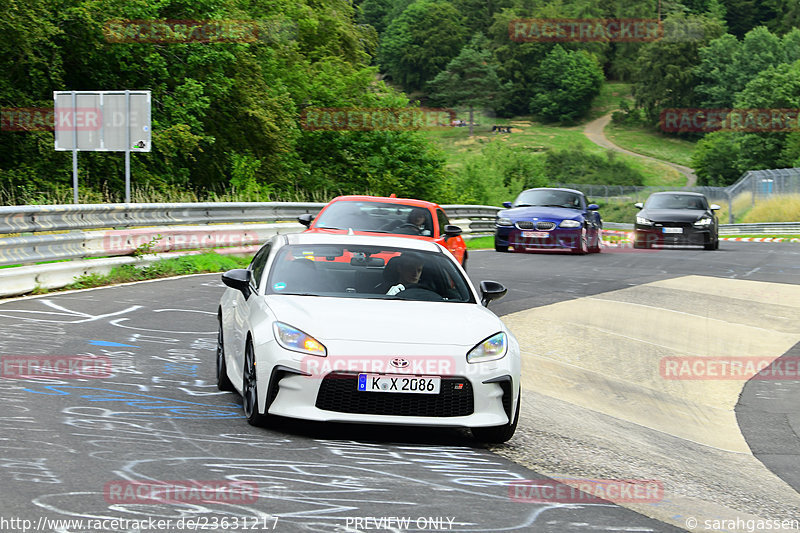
{"type": "Point", "coordinates": [416, 219]}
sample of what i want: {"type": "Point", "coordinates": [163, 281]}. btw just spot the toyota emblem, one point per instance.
{"type": "Point", "coordinates": [399, 362]}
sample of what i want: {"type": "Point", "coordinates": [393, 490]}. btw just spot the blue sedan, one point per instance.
{"type": "Point", "coordinates": [548, 218]}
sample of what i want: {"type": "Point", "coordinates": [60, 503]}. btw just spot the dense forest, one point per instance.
{"type": "Point", "coordinates": [227, 115]}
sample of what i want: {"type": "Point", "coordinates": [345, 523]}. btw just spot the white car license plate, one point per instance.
{"type": "Point", "coordinates": [672, 230]}
{"type": "Point", "coordinates": [535, 234]}
{"type": "Point", "coordinates": [401, 384]}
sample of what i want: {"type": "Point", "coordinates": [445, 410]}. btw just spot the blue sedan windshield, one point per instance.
{"type": "Point", "coordinates": [549, 198]}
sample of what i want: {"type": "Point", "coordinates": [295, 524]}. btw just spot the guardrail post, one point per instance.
{"type": "Point", "coordinates": [730, 207]}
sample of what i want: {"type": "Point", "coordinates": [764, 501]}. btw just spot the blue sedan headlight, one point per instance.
{"type": "Point", "coordinates": [570, 224]}
{"type": "Point", "coordinates": [495, 347]}
{"type": "Point", "coordinates": [501, 221]}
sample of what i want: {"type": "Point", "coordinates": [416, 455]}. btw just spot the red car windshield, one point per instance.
{"type": "Point", "coordinates": [376, 217]}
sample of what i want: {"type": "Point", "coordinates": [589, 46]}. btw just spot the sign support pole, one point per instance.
{"type": "Point", "coordinates": [127, 146]}
{"type": "Point", "coordinates": [74, 149]}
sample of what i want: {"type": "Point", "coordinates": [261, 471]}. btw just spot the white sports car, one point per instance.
{"type": "Point", "coordinates": [367, 329]}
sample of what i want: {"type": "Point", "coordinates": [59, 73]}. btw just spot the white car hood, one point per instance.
{"type": "Point", "coordinates": [389, 321]}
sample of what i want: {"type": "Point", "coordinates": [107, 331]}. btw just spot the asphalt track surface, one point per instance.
{"type": "Point", "coordinates": [66, 445]}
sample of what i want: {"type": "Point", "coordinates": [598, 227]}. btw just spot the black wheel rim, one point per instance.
{"type": "Point", "coordinates": [249, 386]}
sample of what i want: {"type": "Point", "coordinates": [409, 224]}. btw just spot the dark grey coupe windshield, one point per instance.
{"type": "Point", "coordinates": [548, 198]}
{"type": "Point", "coordinates": [676, 201]}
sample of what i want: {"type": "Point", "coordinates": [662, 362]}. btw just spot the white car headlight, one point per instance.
{"type": "Point", "coordinates": [295, 340]}
{"type": "Point", "coordinates": [705, 221]}
{"type": "Point", "coordinates": [504, 222]}
{"type": "Point", "coordinates": [644, 221]}
{"type": "Point", "coordinates": [495, 347]}
{"type": "Point", "coordinates": [570, 224]}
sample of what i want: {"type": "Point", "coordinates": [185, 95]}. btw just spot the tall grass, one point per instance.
{"type": "Point", "coordinates": [149, 194]}
{"type": "Point", "coordinates": [785, 208]}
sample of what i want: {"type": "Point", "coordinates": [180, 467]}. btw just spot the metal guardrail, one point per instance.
{"type": "Point", "coordinates": [188, 226]}
{"type": "Point", "coordinates": [753, 183]}
{"type": "Point", "coordinates": [157, 228]}
{"type": "Point", "coordinates": [777, 228]}
{"type": "Point", "coordinates": [28, 219]}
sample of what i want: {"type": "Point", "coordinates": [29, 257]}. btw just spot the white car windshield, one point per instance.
{"type": "Point", "coordinates": [367, 272]}
{"type": "Point", "coordinates": [377, 217]}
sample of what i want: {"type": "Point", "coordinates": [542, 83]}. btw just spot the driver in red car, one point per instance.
{"type": "Point", "coordinates": [416, 222]}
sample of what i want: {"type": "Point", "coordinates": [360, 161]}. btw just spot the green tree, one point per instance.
{"type": "Point", "coordinates": [419, 43]}
{"type": "Point", "coordinates": [470, 80]}
{"type": "Point", "coordinates": [744, 15]}
{"type": "Point", "coordinates": [568, 81]}
{"type": "Point", "coordinates": [727, 64]}
{"type": "Point", "coordinates": [665, 73]}
{"type": "Point", "coordinates": [715, 159]}
{"type": "Point", "coordinates": [721, 157]}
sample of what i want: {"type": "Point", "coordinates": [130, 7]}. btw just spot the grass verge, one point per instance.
{"type": "Point", "coordinates": [480, 243]}
{"type": "Point", "coordinates": [648, 142]}
{"type": "Point", "coordinates": [164, 268]}
{"type": "Point", "coordinates": [531, 136]}
{"type": "Point", "coordinates": [611, 93]}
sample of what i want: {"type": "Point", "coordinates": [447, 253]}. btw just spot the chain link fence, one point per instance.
{"type": "Point", "coordinates": [754, 185]}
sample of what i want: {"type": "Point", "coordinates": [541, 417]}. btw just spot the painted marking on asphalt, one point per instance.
{"type": "Point", "coordinates": [603, 352]}
{"type": "Point", "coordinates": [113, 344]}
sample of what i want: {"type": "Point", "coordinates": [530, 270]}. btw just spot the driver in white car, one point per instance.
{"type": "Point", "coordinates": [409, 270]}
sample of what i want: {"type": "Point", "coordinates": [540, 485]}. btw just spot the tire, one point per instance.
{"type": "Point", "coordinates": [250, 388]}
{"type": "Point", "coordinates": [498, 434]}
{"type": "Point", "coordinates": [598, 247]}
{"type": "Point", "coordinates": [582, 246]}
{"type": "Point", "coordinates": [714, 245]}
{"type": "Point", "coordinates": [498, 248]}
{"type": "Point", "coordinates": [223, 381]}
{"type": "Point", "coordinates": [464, 261]}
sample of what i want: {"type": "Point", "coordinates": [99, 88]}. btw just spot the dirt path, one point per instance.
{"type": "Point", "coordinates": [594, 132]}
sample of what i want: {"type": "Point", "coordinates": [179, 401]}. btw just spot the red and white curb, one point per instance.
{"type": "Point", "coordinates": [761, 239]}
{"type": "Point", "coordinates": [627, 235]}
